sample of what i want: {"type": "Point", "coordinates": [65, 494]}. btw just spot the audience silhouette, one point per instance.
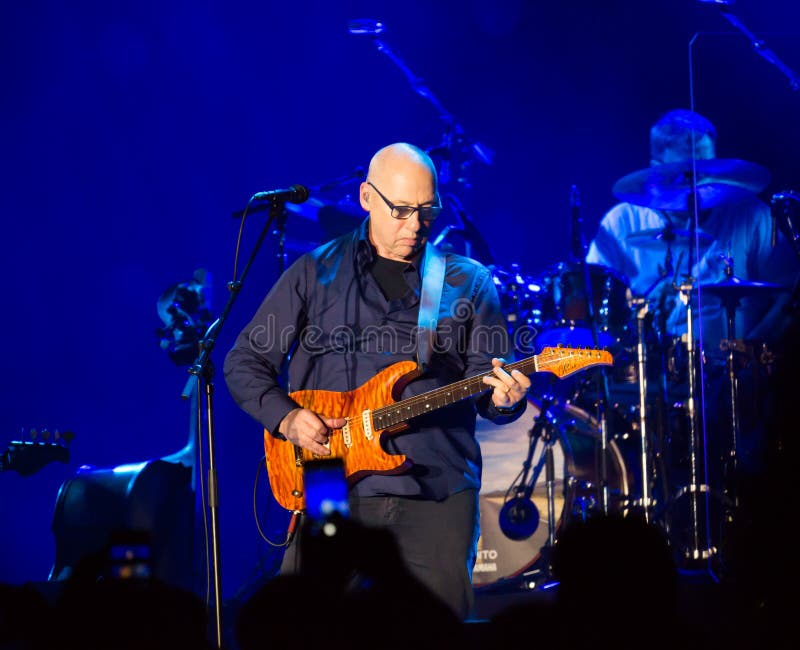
{"type": "Point", "coordinates": [353, 590]}
{"type": "Point", "coordinates": [617, 585]}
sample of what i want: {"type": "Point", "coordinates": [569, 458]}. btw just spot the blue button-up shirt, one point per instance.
{"type": "Point", "coordinates": [328, 319]}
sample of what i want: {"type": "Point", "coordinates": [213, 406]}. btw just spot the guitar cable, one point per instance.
{"type": "Point", "coordinates": [292, 522]}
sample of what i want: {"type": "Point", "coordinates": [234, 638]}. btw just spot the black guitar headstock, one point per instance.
{"type": "Point", "coordinates": [43, 447]}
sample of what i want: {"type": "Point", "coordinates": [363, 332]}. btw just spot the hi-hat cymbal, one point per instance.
{"type": "Point", "coordinates": [669, 186]}
{"type": "Point", "coordinates": [659, 239]}
{"type": "Point", "coordinates": [734, 288]}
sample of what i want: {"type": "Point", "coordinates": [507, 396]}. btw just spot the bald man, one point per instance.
{"type": "Point", "coordinates": [348, 310]}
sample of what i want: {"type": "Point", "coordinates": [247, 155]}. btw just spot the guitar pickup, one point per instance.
{"type": "Point", "coordinates": [347, 437]}
{"type": "Point", "coordinates": [366, 421]}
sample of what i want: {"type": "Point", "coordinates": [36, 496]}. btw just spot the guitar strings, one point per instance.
{"type": "Point", "coordinates": [473, 383]}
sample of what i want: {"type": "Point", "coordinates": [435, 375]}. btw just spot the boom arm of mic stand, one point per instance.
{"type": "Point", "coordinates": [482, 153]}
{"type": "Point", "coordinates": [416, 83]}
{"type": "Point", "coordinates": [763, 51]}
{"type": "Point", "coordinates": [483, 252]}
{"type": "Point", "coordinates": [198, 368]}
{"type": "Point", "coordinates": [357, 174]}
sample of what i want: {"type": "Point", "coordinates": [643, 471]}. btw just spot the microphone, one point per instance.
{"type": "Point", "coordinates": [774, 236]}
{"type": "Point", "coordinates": [786, 205]}
{"type": "Point", "coordinates": [578, 245]}
{"type": "Point", "coordinates": [365, 26]}
{"type": "Point", "coordinates": [721, 3]}
{"type": "Point", "coordinates": [295, 194]}
{"type": "Point", "coordinates": [519, 518]}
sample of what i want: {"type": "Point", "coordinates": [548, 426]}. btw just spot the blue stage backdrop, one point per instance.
{"type": "Point", "coordinates": [132, 131]}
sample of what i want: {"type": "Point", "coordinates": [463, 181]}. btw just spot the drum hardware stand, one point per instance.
{"type": "Point", "coordinates": [519, 517]}
{"type": "Point", "coordinates": [731, 467]}
{"type": "Point", "coordinates": [642, 308]}
{"type": "Point", "coordinates": [579, 249]}
{"type": "Point", "coordinates": [602, 405]}
{"type": "Point", "coordinates": [699, 548]}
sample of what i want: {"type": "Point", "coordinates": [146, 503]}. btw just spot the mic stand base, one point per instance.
{"type": "Point", "coordinates": [213, 506]}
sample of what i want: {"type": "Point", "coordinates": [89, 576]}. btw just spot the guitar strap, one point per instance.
{"type": "Point", "coordinates": [431, 298]}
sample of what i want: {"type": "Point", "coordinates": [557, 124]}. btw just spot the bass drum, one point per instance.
{"type": "Point", "coordinates": [576, 454]}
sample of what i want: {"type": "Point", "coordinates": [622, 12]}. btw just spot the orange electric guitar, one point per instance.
{"type": "Point", "coordinates": [372, 412]}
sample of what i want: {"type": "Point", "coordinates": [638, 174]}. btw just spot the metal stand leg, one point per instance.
{"type": "Point", "coordinates": [519, 517]}
{"type": "Point", "coordinates": [645, 452]}
{"type": "Point", "coordinates": [731, 468]}
{"type": "Point", "coordinates": [699, 548]}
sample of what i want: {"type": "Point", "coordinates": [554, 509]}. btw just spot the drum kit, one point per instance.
{"type": "Point", "coordinates": [634, 438]}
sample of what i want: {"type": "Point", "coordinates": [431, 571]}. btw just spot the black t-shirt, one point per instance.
{"type": "Point", "coordinates": [389, 274]}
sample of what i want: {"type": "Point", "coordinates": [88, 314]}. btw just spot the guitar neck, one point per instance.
{"type": "Point", "coordinates": [437, 398]}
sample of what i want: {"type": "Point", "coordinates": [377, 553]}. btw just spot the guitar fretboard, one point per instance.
{"type": "Point", "coordinates": [567, 360]}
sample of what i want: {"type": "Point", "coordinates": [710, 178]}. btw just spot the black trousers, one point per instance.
{"type": "Point", "coordinates": [437, 540]}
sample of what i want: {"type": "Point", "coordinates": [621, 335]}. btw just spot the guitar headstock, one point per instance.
{"type": "Point", "coordinates": [563, 361]}
{"type": "Point", "coordinates": [29, 456]}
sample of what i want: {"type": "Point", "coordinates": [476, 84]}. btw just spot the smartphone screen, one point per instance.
{"type": "Point", "coordinates": [325, 488]}
{"type": "Point", "coordinates": [129, 555]}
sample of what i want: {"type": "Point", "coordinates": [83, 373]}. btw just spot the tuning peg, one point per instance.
{"type": "Point", "coordinates": [45, 433]}
{"type": "Point", "coordinates": [68, 436]}
{"type": "Point", "coordinates": [34, 434]}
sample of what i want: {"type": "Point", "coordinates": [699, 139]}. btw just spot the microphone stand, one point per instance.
{"type": "Point", "coordinates": [544, 426]}
{"type": "Point", "coordinates": [452, 138]}
{"type": "Point", "coordinates": [579, 250]}
{"type": "Point", "coordinates": [202, 371]}
{"type": "Point", "coordinates": [759, 46]}
{"type": "Point", "coordinates": [519, 517]}
{"type": "Point", "coordinates": [454, 132]}
{"type": "Point", "coordinates": [731, 467]}
{"type": "Point", "coordinates": [785, 206]}
{"type": "Point", "coordinates": [476, 246]}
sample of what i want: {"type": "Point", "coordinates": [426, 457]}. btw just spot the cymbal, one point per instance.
{"type": "Point", "coordinates": [733, 288]}
{"type": "Point", "coordinates": [340, 217]}
{"type": "Point", "coordinates": [669, 186]}
{"type": "Point", "coordinates": [659, 239]}
{"type": "Point", "coordinates": [308, 209]}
